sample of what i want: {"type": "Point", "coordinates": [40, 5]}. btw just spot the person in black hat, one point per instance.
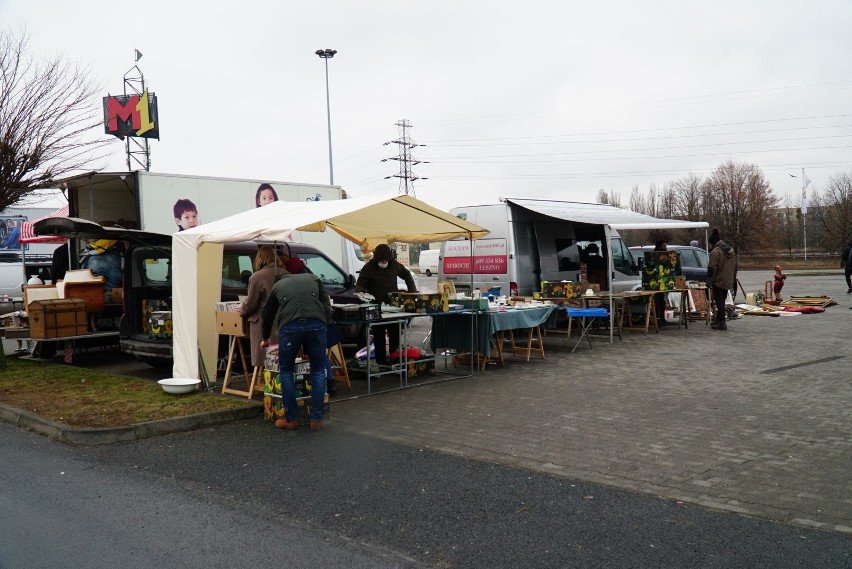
{"type": "Point", "coordinates": [721, 275]}
{"type": "Point", "coordinates": [378, 278]}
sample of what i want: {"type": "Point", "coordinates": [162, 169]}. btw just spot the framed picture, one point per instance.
{"type": "Point", "coordinates": [448, 287]}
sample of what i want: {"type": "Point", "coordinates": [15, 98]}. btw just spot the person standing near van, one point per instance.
{"type": "Point", "coordinates": [303, 309]}
{"type": "Point", "coordinates": [378, 278]}
{"type": "Point", "coordinates": [259, 287]}
{"type": "Point", "coordinates": [721, 275]}
{"type": "Point", "coordinates": [847, 256]}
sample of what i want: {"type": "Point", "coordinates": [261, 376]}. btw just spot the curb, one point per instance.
{"type": "Point", "coordinates": [109, 435]}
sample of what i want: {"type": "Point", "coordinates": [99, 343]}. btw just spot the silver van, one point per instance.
{"type": "Point", "coordinates": [527, 246]}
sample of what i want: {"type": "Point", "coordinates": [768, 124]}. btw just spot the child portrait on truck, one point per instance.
{"type": "Point", "coordinates": [186, 214]}
{"type": "Point", "coordinates": [265, 195]}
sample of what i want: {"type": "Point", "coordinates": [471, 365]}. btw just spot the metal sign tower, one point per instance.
{"type": "Point", "coordinates": [137, 149]}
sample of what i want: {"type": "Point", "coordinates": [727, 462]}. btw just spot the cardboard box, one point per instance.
{"type": "Point", "coordinates": [420, 368]}
{"type": "Point", "coordinates": [273, 406]}
{"type": "Point", "coordinates": [160, 324]}
{"type": "Point", "coordinates": [57, 318]}
{"type": "Point", "coordinates": [356, 312]}
{"type": "Point", "coordinates": [231, 324]}
{"type": "Point", "coordinates": [421, 303]}
{"type": "Point", "coordinates": [473, 303]}
{"type": "Point", "coordinates": [558, 289]}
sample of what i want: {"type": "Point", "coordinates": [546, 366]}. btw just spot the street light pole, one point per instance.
{"type": "Point", "coordinates": [327, 54]}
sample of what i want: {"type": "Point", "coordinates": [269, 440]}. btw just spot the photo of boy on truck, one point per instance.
{"type": "Point", "coordinates": [186, 214]}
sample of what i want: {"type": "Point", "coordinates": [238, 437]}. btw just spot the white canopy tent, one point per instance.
{"type": "Point", "coordinates": [610, 217]}
{"type": "Point", "coordinates": [197, 254]}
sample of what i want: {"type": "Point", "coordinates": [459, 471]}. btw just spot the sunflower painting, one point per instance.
{"type": "Point", "coordinates": [661, 271]}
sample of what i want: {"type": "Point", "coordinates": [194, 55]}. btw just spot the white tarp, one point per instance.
{"type": "Point", "coordinates": [197, 254]}
{"type": "Point", "coordinates": [603, 214]}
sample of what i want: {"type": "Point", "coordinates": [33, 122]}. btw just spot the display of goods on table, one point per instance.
{"type": "Point", "coordinates": [559, 289]}
{"type": "Point", "coordinates": [661, 271]}
{"type": "Point", "coordinates": [160, 324]}
{"type": "Point", "coordinates": [57, 318]}
{"type": "Point", "coordinates": [419, 302]}
{"type": "Point", "coordinates": [356, 312]}
{"type": "Point", "coordinates": [273, 406]}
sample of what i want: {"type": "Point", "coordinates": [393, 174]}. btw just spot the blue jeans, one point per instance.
{"type": "Point", "coordinates": [292, 336]}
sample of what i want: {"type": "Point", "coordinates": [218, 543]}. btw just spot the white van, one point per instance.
{"type": "Point", "coordinates": [532, 241]}
{"type": "Point", "coordinates": [428, 262]}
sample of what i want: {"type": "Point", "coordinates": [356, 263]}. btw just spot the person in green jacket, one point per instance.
{"type": "Point", "coordinates": [721, 276]}
{"type": "Point", "coordinates": [304, 311]}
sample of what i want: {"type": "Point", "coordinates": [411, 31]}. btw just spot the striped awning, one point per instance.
{"type": "Point", "coordinates": [27, 235]}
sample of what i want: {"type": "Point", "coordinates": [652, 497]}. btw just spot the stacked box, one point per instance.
{"type": "Point", "coordinates": [420, 303]}
{"type": "Point", "coordinates": [160, 324]}
{"type": "Point", "coordinates": [356, 312]}
{"type": "Point", "coordinates": [558, 289]}
{"type": "Point", "coordinates": [273, 406]}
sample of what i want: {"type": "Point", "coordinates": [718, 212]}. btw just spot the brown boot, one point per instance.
{"type": "Point", "coordinates": [316, 425]}
{"type": "Point", "coordinates": [285, 424]}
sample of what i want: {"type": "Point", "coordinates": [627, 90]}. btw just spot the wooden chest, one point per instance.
{"type": "Point", "coordinates": [57, 318]}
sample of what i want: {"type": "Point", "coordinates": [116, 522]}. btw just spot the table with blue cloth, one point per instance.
{"type": "Point", "coordinates": [452, 330]}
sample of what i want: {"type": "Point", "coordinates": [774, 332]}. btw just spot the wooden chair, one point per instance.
{"type": "Point", "coordinates": [338, 365]}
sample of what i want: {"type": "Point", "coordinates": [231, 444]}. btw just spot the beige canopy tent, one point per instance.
{"type": "Point", "coordinates": [197, 254]}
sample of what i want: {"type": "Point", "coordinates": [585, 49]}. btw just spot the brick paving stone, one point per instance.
{"type": "Point", "coordinates": [710, 417]}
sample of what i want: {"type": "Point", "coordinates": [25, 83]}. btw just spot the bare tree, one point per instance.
{"type": "Point", "coordinates": [737, 199]}
{"type": "Point", "coordinates": [637, 202]}
{"type": "Point", "coordinates": [48, 112]}
{"type": "Point", "coordinates": [611, 198]}
{"type": "Point", "coordinates": [789, 220]}
{"type": "Point", "coordinates": [831, 212]}
{"type": "Point", "coordinates": [687, 198]}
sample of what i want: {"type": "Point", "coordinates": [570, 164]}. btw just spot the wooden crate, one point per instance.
{"type": "Point", "coordinates": [57, 318]}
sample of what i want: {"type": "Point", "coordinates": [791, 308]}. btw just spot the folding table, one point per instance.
{"type": "Point", "coordinates": [587, 317]}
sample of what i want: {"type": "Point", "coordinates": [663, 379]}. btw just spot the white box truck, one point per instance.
{"type": "Point", "coordinates": [532, 241]}
{"type": "Point", "coordinates": [428, 262]}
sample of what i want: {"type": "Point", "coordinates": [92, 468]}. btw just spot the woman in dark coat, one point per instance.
{"type": "Point", "coordinates": [259, 287]}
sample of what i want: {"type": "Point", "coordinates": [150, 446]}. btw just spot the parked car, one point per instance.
{"type": "Point", "coordinates": [693, 260]}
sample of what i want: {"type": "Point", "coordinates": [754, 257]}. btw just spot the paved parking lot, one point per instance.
{"type": "Point", "coordinates": [756, 419]}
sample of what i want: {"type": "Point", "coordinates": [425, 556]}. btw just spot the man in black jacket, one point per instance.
{"type": "Point", "coordinates": [378, 278]}
{"type": "Point", "coordinates": [847, 256]}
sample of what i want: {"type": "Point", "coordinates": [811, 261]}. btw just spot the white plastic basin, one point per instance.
{"type": "Point", "coordinates": [179, 384]}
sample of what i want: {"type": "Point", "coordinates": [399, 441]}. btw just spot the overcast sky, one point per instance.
{"type": "Point", "coordinates": [553, 99]}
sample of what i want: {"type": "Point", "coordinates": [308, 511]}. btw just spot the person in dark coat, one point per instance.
{"type": "Point", "coordinates": [259, 287]}
{"type": "Point", "coordinates": [848, 269]}
{"type": "Point", "coordinates": [721, 276]}
{"type": "Point", "coordinates": [378, 278]}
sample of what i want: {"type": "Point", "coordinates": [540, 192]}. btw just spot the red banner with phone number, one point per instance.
{"type": "Point", "coordinates": [483, 265]}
